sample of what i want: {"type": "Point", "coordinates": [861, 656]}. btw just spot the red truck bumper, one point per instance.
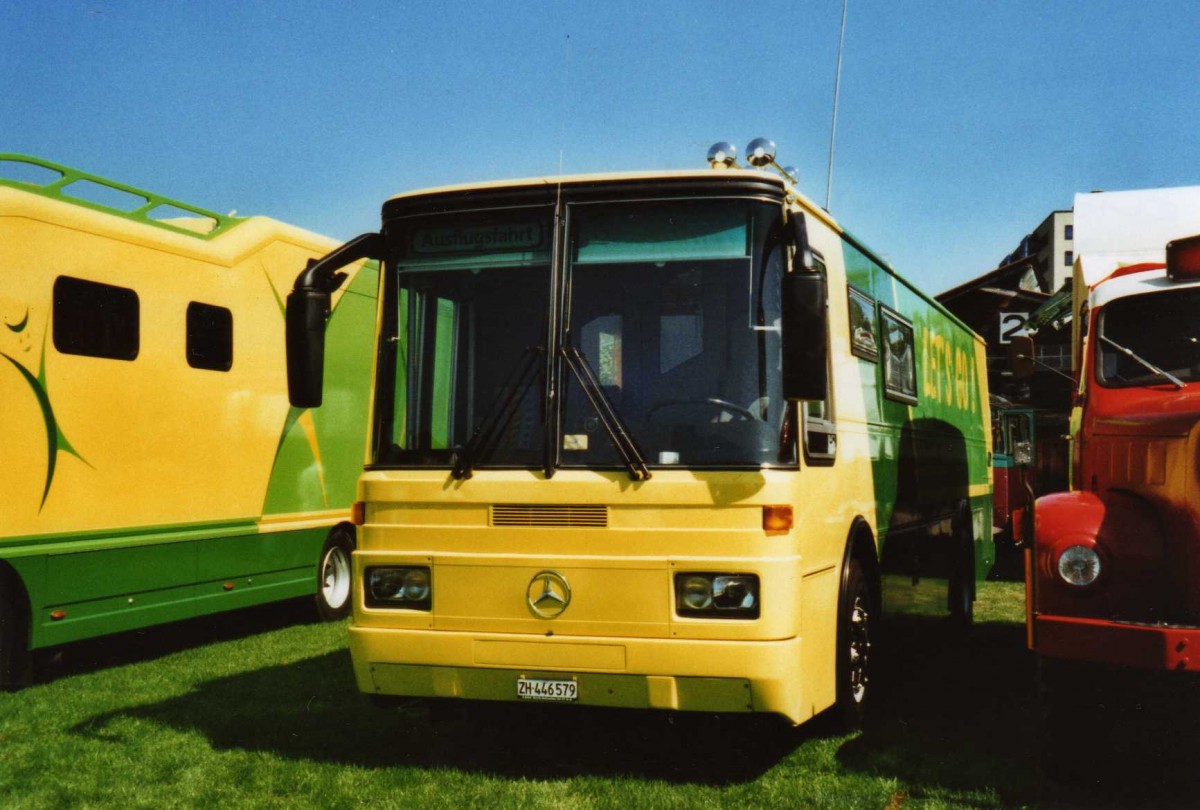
{"type": "Point", "coordinates": [1158, 647]}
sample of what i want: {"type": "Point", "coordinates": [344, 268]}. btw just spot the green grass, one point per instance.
{"type": "Point", "coordinates": [252, 710]}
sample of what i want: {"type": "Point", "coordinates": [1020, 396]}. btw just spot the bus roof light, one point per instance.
{"type": "Point", "coordinates": [1183, 259]}
{"type": "Point", "coordinates": [761, 152]}
{"type": "Point", "coordinates": [722, 155]}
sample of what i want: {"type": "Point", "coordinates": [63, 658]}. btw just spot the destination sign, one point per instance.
{"type": "Point", "coordinates": [477, 239]}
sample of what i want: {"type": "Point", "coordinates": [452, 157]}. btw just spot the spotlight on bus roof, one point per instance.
{"type": "Point", "coordinates": [761, 152]}
{"type": "Point", "coordinates": [722, 155]}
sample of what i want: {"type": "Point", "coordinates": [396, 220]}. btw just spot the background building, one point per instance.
{"type": "Point", "coordinates": [996, 305]}
{"type": "Point", "coordinates": [1050, 249]}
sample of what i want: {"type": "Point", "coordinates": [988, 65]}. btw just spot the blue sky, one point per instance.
{"type": "Point", "coordinates": [961, 124]}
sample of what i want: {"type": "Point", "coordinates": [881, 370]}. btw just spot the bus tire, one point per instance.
{"type": "Point", "coordinates": [334, 573]}
{"type": "Point", "coordinates": [16, 662]}
{"type": "Point", "coordinates": [856, 625]}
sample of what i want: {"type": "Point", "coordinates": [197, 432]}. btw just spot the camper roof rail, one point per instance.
{"type": "Point", "coordinates": [90, 191]}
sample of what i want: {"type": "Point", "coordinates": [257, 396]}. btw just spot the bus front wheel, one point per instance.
{"type": "Point", "coordinates": [856, 625]}
{"type": "Point", "coordinates": [333, 575]}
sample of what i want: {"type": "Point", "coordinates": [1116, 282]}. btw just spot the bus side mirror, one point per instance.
{"type": "Point", "coordinates": [306, 314]}
{"type": "Point", "coordinates": [308, 306]}
{"type": "Point", "coordinates": [1020, 356]}
{"type": "Point", "coordinates": [797, 235]}
{"type": "Point", "coordinates": [804, 327]}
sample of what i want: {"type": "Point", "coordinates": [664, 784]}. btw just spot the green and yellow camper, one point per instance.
{"type": "Point", "coordinates": [151, 467]}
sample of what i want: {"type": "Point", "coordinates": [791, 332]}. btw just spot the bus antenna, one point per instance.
{"type": "Point", "coordinates": [837, 86]}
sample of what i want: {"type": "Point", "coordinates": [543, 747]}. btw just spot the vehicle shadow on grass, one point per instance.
{"type": "Point", "coordinates": [955, 720]}
{"type": "Point", "coordinates": [311, 710]}
{"type": "Point", "coordinates": [964, 717]}
{"type": "Point", "coordinates": [150, 643]}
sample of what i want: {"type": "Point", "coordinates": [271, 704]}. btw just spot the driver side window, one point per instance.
{"type": "Point", "coordinates": [819, 427]}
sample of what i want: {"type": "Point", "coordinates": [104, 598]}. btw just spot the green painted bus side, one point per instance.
{"type": "Point", "coordinates": [932, 449]}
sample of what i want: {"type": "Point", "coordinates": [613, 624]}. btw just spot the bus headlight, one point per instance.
{"type": "Point", "coordinates": [695, 593]}
{"type": "Point", "coordinates": [717, 596]}
{"type": "Point", "coordinates": [1079, 566]}
{"type": "Point", "coordinates": [400, 587]}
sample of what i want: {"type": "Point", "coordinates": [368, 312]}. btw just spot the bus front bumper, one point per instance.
{"type": "Point", "coordinates": [1145, 646]}
{"type": "Point", "coordinates": [675, 674]}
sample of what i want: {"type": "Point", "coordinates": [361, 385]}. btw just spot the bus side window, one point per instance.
{"type": "Point", "coordinates": [820, 431]}
{"type": "Point", "coordinates": [819, 427]}
{"type": "Point", "coordinates": [209, 337]}
{"type": "Point", "coordinates": [864, 329]}
{"type": "Point", "coordinates": [95, 320]}
{"type": "Point", "coordinates": [899, 357]}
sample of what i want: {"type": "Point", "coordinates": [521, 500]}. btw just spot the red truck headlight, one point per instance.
{"type": "Point", "coordinates": [1079, 565]}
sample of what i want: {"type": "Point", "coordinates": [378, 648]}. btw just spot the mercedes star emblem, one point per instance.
{"type": "Point", "coordinates": [548, 594]}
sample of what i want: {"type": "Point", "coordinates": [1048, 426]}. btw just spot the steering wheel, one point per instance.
{"type": "Point", "coordinates": [711, 402]}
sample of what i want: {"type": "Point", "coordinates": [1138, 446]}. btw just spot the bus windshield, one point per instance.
{"type": "Point", "coordinates": [1142, 336]}
{"type": "Point", "coordinates": [675, 306]}
{"type": "Point", "coordinates": [669, 307]}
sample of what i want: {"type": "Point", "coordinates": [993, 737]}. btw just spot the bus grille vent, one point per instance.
{"type": "Point", "coordinates": [511, 514]}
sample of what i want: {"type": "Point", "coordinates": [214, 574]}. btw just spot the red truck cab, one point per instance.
{"type": "Point", "coordinates": [1113, 573]}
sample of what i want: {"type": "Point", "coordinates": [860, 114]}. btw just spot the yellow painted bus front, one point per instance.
{"type": "Point", "coordinates": [565, 575]}
{"type": "Point", "coordinates": [619, 637]}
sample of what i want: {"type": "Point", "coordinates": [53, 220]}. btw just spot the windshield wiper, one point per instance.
{"type": "Point", "coordinates": [614, 425]}
{"type": "Point", "coordinates": [1142, 361]}
{"type": "Point", "coordinates": [483, 440]}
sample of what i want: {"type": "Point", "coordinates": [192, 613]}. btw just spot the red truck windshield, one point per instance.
{"type": "Point", "coordinates": [1161, 330]}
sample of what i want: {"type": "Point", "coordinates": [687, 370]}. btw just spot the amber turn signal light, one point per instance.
{"type": "Point", "coordinates": [358, 513]}
{"type": "Point", "coordinates": [777, 518]}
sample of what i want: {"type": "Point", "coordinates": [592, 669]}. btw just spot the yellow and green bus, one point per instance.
{"type": "Point", "coordinates": [652, 440]}
{"type": "Point", "coordinates": [151, 466]}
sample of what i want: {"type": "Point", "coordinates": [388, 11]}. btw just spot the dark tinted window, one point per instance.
{"type": "Point", "coordinates": [899, 357]}
{"type": "Point", "coordinates": [209, 337]}
{"type": "Point", "coordinates": [95, 320]}
{"type": "Point", "coordinates": [864, 330]}
{"type": "Point", "coordinates": [675, 307]}
{"type": "Point", "coordinates": [463, 352]}
{"type": "Point", "coordinates": [1141, 336]}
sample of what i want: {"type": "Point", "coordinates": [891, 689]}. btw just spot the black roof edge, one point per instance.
{"type": "Point", "coordinates": [583, 190]}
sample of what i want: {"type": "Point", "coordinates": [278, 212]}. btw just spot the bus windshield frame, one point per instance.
{"type": "Point", "coordinates": [581, 333]}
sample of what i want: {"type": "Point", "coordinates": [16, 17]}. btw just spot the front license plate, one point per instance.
{"type": "Point", "coordinates": [547, 689]}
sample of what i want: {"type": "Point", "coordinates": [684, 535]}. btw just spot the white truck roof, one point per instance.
{"type": "Point", "coordinates": [1119, 228]}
